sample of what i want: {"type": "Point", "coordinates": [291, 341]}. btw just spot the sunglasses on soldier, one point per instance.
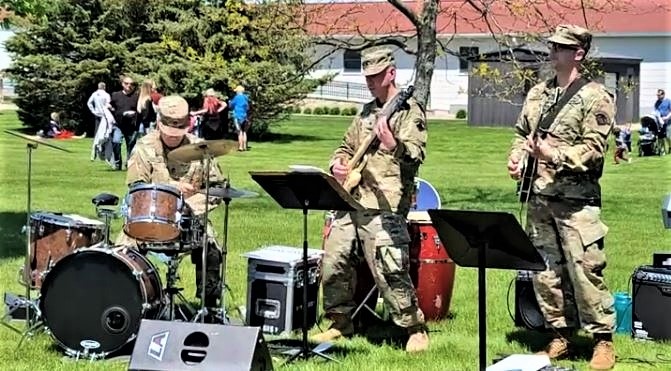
{"type": "Point", "coordinates": [556, 47]}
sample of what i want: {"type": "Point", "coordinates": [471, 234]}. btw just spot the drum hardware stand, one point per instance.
{"type": "Point", "coordinates": [108, 214]}
{"type": "Point", "coordinates": [200, 315]}
{"type": "Point", "coordinates": [173, 292]}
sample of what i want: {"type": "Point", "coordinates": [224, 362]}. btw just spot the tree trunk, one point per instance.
{"type": "Point", "coordinates": [426, 52]}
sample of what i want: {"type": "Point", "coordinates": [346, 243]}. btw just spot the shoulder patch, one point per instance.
{"type": "Point", "coordinates": [602, 118]}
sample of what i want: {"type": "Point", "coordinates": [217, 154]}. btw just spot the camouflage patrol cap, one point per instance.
{"type": "Point", "coordinates": [174, 113]}
{"type": "Point", "coordinates": [568, 34]}
{"type": "Point", "coordinates": [375, 61]}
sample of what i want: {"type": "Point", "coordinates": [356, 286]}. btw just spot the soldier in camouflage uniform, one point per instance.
{"type": "Point", "coordinates": [381, 237]}
{"type": "Point", "coordinates": [564, 206]}
{"type": "Point", "coordinates": [149, 163]}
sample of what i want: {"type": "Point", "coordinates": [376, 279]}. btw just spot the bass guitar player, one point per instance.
{"type": "Point", "coordinates": [377, 162]}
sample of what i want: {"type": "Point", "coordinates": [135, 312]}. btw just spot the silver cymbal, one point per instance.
{"type": "Point", "coordinates": [196, 151]}
{"type": "Point", "coordinates": [36, 139]}
{"type": "Point", "coordinates": [222, 192]}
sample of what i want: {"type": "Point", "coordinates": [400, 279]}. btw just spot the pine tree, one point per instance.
{"type": "Point", "coordinates": [185, 46]}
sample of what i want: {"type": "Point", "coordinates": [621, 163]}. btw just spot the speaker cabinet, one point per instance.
{"type": "Point", "coordinates": [177, 346]}
{"type": "Point", "coordinates": [527, 311]}
{"type": "Point", "coordinates": [651, 305]}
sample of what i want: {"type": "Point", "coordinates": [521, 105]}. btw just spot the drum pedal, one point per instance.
{"type": "Point", "coordinates": [16, 307]}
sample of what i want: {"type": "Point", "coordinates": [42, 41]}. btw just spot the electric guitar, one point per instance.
{"type": "Point", "coordinates": [358, 162]}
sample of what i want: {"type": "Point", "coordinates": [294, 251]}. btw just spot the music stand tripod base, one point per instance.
{"type": "Point", "coordinates": [306, 191]}
{"type": "Point", "coordinates": [485, 239]}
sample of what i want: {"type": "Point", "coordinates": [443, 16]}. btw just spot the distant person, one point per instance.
{"type": "Point", "coordinates": [145, 108]}
{"type": "Point", "coordinates": [240, 108]}
{"type": "Point", "coordinates": [98, 103]}
{"type": "Point", "coordinates": [621, 153]}
{"type": "Point", "coordinates": [155, 98]}
{"type": "Point", "coordinates": [54, 128]}
{"type": "Point", "coordinates": [124, 107]}
{"type": "Point", "coordinates": [663, 111]}
{"type": "Point", "coordinates": [211, 127]}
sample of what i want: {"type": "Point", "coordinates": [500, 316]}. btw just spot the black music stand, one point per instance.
{"type": "Point", "coordinates": [485, 239]}
{"type": "Point", "coordinates": [309, 190]}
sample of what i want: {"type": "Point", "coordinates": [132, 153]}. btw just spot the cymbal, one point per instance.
{"type": "Point", "coordinates": [222, 192]}
{"type": "Point", "coordinates": [196, 151]}
{"type": "Point", "coordinates": [36, 139]}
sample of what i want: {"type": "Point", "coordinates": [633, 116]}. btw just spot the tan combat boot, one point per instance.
{"type": "Point", "coordinates": [342, 326]}
{"type": "Point", "coordinates": [557, 348]}
{"type": "Point", "coordinates": [418, 341]}
{"type": "Point", "coordinates": [603, 357]}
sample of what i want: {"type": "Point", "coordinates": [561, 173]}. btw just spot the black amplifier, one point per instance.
{"type": "Point", "coordinates": [275, 288]}
{"type": "Point", "coordinates": [651, 297]}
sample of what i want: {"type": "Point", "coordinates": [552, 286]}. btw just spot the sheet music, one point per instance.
{"type": "Point", "coordinates": [306, 169]}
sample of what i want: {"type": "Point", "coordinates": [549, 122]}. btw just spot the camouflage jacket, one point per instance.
{"type": "Point", "coordinates": [149, 163]}
{"type": "Point", "coordinates": [387, 180]}
{"type": "Point", "coordinates": [578, 134]}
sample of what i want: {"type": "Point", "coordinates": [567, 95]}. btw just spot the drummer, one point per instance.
{"type": "Point", "coordinates": [149, 163]}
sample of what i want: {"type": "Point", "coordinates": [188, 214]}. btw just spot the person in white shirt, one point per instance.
{"type": "Point", "coordinates": [98, 103]}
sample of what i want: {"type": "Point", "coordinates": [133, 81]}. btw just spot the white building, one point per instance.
{"type": "Point", "coordinates": [642, 30]}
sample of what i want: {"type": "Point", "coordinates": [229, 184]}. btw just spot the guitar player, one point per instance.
{"type": "Point", "coordinates": [563, 131]}
{"type": "Point", "coordinates": [382, 150]}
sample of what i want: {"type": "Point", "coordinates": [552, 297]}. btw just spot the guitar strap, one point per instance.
{"type": "Point", "coordinates": [544, 125]}
{"type": "Point", "coordinates": [570, 92]}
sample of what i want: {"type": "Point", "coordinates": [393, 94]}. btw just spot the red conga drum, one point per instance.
{"type": "Point", "coordinates": [431, 269]}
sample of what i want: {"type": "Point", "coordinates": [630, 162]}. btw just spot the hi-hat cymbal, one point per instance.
{"type": "Point", "coordinates": [197, 151]}
{"type": "Point", "coordinates": [222, 192]}
{"type": "Point", "coordinates": [36, 139]}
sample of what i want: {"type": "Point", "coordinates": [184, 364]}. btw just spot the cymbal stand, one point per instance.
{"type": "Point", "coordinates": [200, 315]}
{"type": "Point", "coordinates": [224, 252]}
{"type": "Point", "coordinates": [31, 308]}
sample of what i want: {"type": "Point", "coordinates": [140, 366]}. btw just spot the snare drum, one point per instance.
{"type": "Point", "coordinates": [94, 299]}
{"type": "Point", "coordinates": [191, 234]}
{"type": "Point", "coordinates": [152, 212]}
{"type": "Point", "coordinates": [53, 236]}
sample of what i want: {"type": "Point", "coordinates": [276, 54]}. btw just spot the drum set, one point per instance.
{"type": "Point", "coordinates": [93, 294]}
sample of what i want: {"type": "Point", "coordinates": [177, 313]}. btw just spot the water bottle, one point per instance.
{"type": "Point", "coordinates": [622, 312]}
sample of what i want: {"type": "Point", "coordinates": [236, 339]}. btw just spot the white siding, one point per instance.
{"type": "Point", "coordinates": [655, 66]}
{"type": "Point", "coordinates": [449, 86]}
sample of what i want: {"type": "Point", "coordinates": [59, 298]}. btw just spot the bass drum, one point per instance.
{"type": "Point", "coordinates": [93, 300]}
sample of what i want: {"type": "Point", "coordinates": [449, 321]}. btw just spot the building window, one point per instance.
{"type": "Point", "coordinates": [466, 52]}
{"type": "Point", "coordinates": [351, 61]}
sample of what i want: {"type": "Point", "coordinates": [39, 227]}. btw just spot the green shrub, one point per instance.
{"type": "Point", "coordinates": [334, 111]}
{"type": "Point", "coordinates": [297, 109]}
{"type": "Point", "coordinates": [319, 111]}
{"type": "Point", "coordinates": [353, 111]}
{"type": "Point", "coordinates": [326, 109]}
{"type": "Point", "coordinates": [461, 114]}
{"type": "Point", "coordinates": [307, 111]}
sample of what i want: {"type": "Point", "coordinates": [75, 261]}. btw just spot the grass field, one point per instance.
{"type": "Point", "coordinates": [466, 165]}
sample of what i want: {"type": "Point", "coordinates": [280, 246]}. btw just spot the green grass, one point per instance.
{"type": "Point", "coordinates": [466, 165]}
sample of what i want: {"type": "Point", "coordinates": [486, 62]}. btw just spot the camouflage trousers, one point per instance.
{"type": "Point", "coordinates": [383, 241]}
{"type": "Point", "coordinates": [571, 292]}
{"type": "Point", "coordinates": [213, 260]}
